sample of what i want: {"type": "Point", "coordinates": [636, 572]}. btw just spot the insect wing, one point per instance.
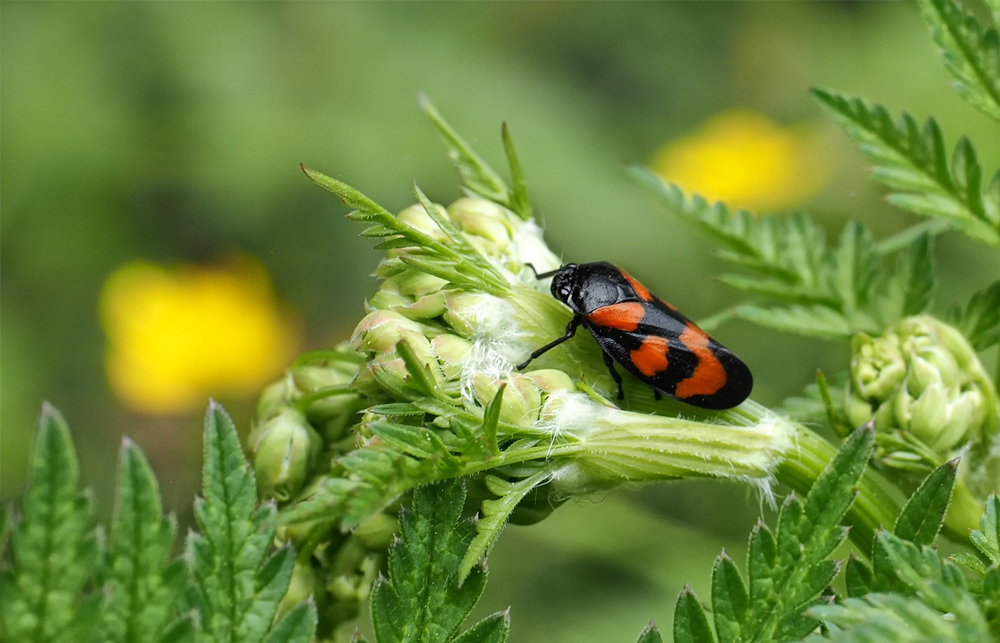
{"type": "Point", "coordinates": [662, 348]}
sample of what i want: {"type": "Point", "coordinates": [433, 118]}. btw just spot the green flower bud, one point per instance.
{"type": "Point", "coordinates": [386, 299]}
{"type": "Point", "coordinates": [274, 399]}
{"type": "Point", "coordinates": [522, 399]}
{"type": "Point", "coordinates": [381, 330]}
{"type": "Point", "coordinates": [925, 379]}
{"type": "Point", "coordinates": [284, 451]}
{"type": "Point", "coordinates": [485, 219]}
{"type": "Point", "coordinates": [877, 366]}
{"type": "Point", "coordinates": [427, 307]}
{"type": "Point", "coordinates": [550, 380]}
{"type": "Point", "coordinates": [415, 216]}
{"type": "Point", "coordinates": [451, 351]}
{"type": "Point", "coordinates": [414, 283]}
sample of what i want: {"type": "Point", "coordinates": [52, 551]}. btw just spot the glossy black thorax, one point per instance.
{"type": "Point", "coordinates": [586, 287]}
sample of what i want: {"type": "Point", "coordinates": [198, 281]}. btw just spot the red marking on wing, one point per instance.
{"type": "Point", "coordinates": [639, 289]}
{"type": "Point", "coordinates": [651, 356]}
{"type": "Point", "coordinates": [709, 375]}
{"type": "Point", "coordinates": [625, 316]}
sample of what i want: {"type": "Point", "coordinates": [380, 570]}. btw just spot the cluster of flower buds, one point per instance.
{"type": "Point", "coordinates": [333, 424]}
{"type": "Point", "coordinates": [427, 389]}
{"type": "Point", "coordinates": [927, 391]}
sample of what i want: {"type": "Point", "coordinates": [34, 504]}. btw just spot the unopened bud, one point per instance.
{"type": "Point", "coordinates": [284, 451]}
{"type": "Point", "coordinates": [416, 217]}
{"type": "Point", "coordinates": [877, 366]}
{"type": "Point", "coordinates": [485, 219]}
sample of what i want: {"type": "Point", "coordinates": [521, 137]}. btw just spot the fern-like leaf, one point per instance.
{"type": "Point", "coordinates": [788, 569]}
{"type": "Point", "coordinates": [421, 601]}
{"type": "Point", "coordinates": [979, 320]}
{"type": "Point", "coordinates": [54, 549]}
{"type": "Point", "coordinates": [495, 515]}
{"type": "Point", "coordinates": [239, 586]}
{"type": "Point", "coordinates": [822, 291]}
{"type": "Point", "coordinates": [970, 52]}
{"type": "Point", "coordinates": [913, 161]}
{"type": "Point", "coordinates": [143, 584]}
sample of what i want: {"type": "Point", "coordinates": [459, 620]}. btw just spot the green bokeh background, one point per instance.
{"type": "Point", "coordinates": [173, 132]}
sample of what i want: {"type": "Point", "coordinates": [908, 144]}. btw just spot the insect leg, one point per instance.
{"type": "Point", "coordinates": [570, 331]}
{"type": "Point", "coordinates": [610, 363]}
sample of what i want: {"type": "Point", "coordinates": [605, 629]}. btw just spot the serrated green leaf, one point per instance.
{"type": "Point", "coordinates": [54, 550]}
{"type": "Point", "coordinates": [239, 586]}
{"type": "Point", "coordinates": [987, 537]}
{"type": "Point", "coordinates": [467, 269]}
{"type": "Point", "coordinates": [970, 53]}
{"type": "Point", "coordinates": [794, 627]}
{"type": "Point", "coordinates": [919, 285]}
{"type": "Point", "coordinates": [690, 621]}
{"type": "Point", "coordinates": [936, 582]}
{"type": "Point", "coordinates": [979, 321]}
{"type": "Point", "coordinates": [923, 514]}
{"type": "Point", "coordinates": [492, 629]}
{"type": "Point", "coordinates": [891, 617]}
{"type": "Point", "coordinates": [421, 600]}
{"type": "Point", "coordinates": [761, 560]}
{"type": "Point", "coordinates": [495, 515]}
{"type": "Point", "coordinates": [650, 634]}
{"type": "Point", "coordinates": [833, 492]}
{"type": "Point", "coordinates": [813, 321]}
{"type": "Point", "coordinates": [297, 626]}
{"type": "Point", "coordinates": [143, 587]}
{"type": "Point", "coordinates": [418, 441]}
{"type": "Point", "coordinates": [914, 163]}
{"type": "Point", "coordinates": [729, 600]}
{"type": "Point", "coordinates": [857, 577]}
{"type": "Point", "coordinates": [776, 289]}
{"type": "Point", "coordinates": [971, 562]}
{"type": "Point", "coordinates": [857, 265]}
{"type": "Point", "coordinates": [476, 174]}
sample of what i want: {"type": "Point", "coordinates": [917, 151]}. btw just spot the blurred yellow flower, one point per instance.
{"type": "Point", "coordinates": [744, 159]}
{"type": "Point", "coordinates": [179, 335]}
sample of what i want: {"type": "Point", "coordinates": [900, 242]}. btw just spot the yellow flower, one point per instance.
{"type": "Point", "coordinates": [179, 336]}
{"type": "Point", "coordinates": [744, 159]}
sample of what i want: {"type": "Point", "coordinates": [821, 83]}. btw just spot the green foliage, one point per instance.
{"type": "Point", "coordinates": [970, 52]}
{"type": "Point", "coordinates": [460, 265]}
{"type": "Point", "coordinates": [478, 177]}
{"type": "Point", "coordinates": [54, 549]}
{"type": "Point", "coordinates": [823, 291]}
{"type": "Point", "coordinates": [495, 515]}
{"type": "Point", "coordinates": [239, 586]}
{"type": "Point", "coordinates": [788, 569]}
{"type": "Point", "coordinates": [422, 600]}
{"type": "Point", "coordinates": [910, 594]}
{"type": "Point", "coordinates": [143, 584]}
{"type": "Point", "coordinates": [913, 161]}
{"type": "Point", "coordinates": [979, 320]}
{"type": "Point", "coordinates": [56, 586]}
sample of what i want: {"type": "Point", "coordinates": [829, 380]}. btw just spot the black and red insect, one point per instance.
{"type": "Point", "coordinates": [647, 337]}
